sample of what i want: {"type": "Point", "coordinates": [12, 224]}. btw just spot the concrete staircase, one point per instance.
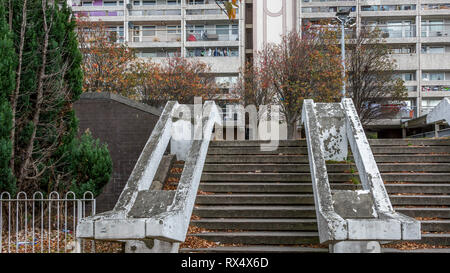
{"type": "Point", "coordinates": [254, 201]}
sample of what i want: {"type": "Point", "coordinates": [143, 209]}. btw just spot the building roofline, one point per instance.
{"type": "Point", "coordinates": [121, 99]}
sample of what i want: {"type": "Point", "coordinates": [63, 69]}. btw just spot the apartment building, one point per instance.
{"type": "Point", "coordinates": [418, 31]}
{"type": "Point", "coordinates": [158, 29]}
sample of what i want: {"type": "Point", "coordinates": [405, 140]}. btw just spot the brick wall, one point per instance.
{"type": "Point", "coordinates": [122, 124]}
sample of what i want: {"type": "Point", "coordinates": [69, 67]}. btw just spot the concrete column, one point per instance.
{"type": "Point", "coordinates": [355, 247]}
{"type": "Point", "coordinates": [151, 246]}
{"type": "Point", "coordinates": [183, 28]}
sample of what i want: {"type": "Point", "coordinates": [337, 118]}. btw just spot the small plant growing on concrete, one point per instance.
{"type": "Point", "coordinates": [355, 180]}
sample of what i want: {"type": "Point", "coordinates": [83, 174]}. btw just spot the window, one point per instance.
{"type": "Point", "coordinates": [109, 3]}
{"type": "Point", "coordinates": [148, 31]}
{"type": "Point", "coordinates": [407, 76]}
{"type": "Point", "coordinates": [148, 3]}
{"type": "Point", "coordinates": [433, 49]}
{"type": "Point", "coordinates": [86, 3]}
{"type": "Point", "coordinates": [174, 29]}
{"type": "Point", "coordinates": [404, 50]}
{"type": "Point", "coordinates": [433, 76]}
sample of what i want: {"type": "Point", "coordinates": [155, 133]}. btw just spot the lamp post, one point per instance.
{"type": "Point", "coordinates": [343, 17]}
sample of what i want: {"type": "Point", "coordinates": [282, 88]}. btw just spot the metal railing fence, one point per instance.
{"type": "Point", "coordinates": [43, 224]}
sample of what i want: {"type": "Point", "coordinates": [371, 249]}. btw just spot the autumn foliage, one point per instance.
{"type": "Point", "coordinates": [110, 66]}
{"type": "Point", "coordinates": [229, 7]}
{"type": "Point", "coordinates": [302, 66]}
{"type": "Point", "coordinates": [177, 78]}
{"type": "Point", "coordinates": [105, 61]}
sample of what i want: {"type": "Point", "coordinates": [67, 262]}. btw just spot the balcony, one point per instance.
{"type": "Point", "coordinates": [406, 61]}
{"type": "Point", "coordinates": [433, 89]}
{"type": "Point", "coordinates": [435, 61]}
{"type": "Point", "coordinates": [154, 36]}
{"type": "Point", "coordinates": [388, 10]}
{"type": "Point", "coordinates": [212, 34]}
{"type": "Point", "coordinates": [205, 12]}
{"type": "Point", "coordinates": [97, 13]}
{"type": "Point", "coordinates": [155, 13]}
{"type": "Point", "coordinates": [396, 33]}
{"type": "Point", "coordinates": [435, 9]}
{"type": "Point", "coordinates": [435, 33]}
{"type": "Point", "coordinates": [229, 65]}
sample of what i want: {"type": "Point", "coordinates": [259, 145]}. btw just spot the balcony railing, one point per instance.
{"type": "Point", "coordinates": [211, 34]}
{"type": "Point", "coordinates": [435, 88]}
{"type": "Point", "coordinates": [160, 36]}
{"type": "Point", "coordinates": [155, 12]}
{"type": "Point", "coordinates": [435, 30]}
{"type": "Point", "coordinates": [401, 31]}
{"type": "Point", "coordinates": [216, 11]}
{"type": "Point", "coordinates": [213, 52]}
{"type": "Point", "coordinates": [97, 13]}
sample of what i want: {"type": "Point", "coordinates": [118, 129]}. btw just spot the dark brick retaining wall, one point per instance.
{"type": "Point", "coordinates": [124, 125]}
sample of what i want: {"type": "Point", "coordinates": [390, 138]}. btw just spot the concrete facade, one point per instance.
{"type": "Point", "coordinates": [417, 30]}
{"type": "Point", "coordinates": [158, 29]}
{"type": "Point", "coordinates": [419, 33]}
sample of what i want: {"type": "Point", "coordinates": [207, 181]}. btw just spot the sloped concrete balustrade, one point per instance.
{"type": "Point", "coordinates": [156, 220]}
{"type": "Point", "coordinates": [350, 221]}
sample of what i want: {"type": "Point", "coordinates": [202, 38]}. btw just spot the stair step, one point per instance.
{"type": "Point", "coordinates": [333, 177]}
{"type": "Point", "coordinates": [412, 158]}
{"type": "Point", "coordinates": [436, 239]}
{"type": "Point", "coordinates": [256, 143]}
{"type": "Point", "coordinates": [242, 187]}
{"type": "Point", "coordinates": [272, 211]}
{"type": "Point", "coordinates": [425, 212]}
{"type": "Point", "coordinates": [256, 249]}
{"type": "Point", "coordinates": [435, 225]}
{"type": "Point", "coordinates": [418, 188]}
{"type": "Point", "coordinates": [257, 151]}
{"type": "Point", "coordinates": [292, 159]}
{"type": "Point", "coordinates": [308, 199]}
{"type": "Point", "coordinates": [410, 150]}
{"type": "Point", "coordinates": [424, 200]}
{"type": "Point", "coordinates": [257, 224]}
{"type": "Point", "coordinates": [409, 141]}
{"type": "Point", "coordinates": [253, 199]}
{"type": "Point", "coordinates": [331, 168]}
{"type": "Point", "coordinates": [261, 237]}
{"type": "Point", "coordinates": [299, 159]}
{"type": "Point", "coordinates": [421, 250]}
{"type": "Point", "coordinates": [256, 187]}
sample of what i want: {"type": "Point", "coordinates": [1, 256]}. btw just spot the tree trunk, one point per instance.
{"type": "Point", "coordinates": [39, 99]}
{"type": "Point", "coordinates": [291, 127]}
{"type": "Point", "coordinates": [15, 95]}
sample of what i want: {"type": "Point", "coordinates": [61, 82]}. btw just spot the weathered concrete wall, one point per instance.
{"type": "Point", "coordinates": [124, 125]}
{"type": "Point", "coordinates": [441, 112]}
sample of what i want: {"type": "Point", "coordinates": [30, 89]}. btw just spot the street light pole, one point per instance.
{"type": "Point", "coordinates": [343, 17]}
{"type": "Point", "coordinates": [343, 59]}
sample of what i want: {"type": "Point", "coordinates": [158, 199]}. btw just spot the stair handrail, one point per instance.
{"type": "Point", "coordinates": [370, 175]}
{"type": "Point", "coordinates": [142, 213]}
{"type": "Point", "coordinates": [331, 225]}
{"type": "Point", "coordinates": [365, 216]}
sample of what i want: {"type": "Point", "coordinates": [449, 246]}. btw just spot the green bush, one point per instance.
{"type": "Point", "coordinates": [91, 165]}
